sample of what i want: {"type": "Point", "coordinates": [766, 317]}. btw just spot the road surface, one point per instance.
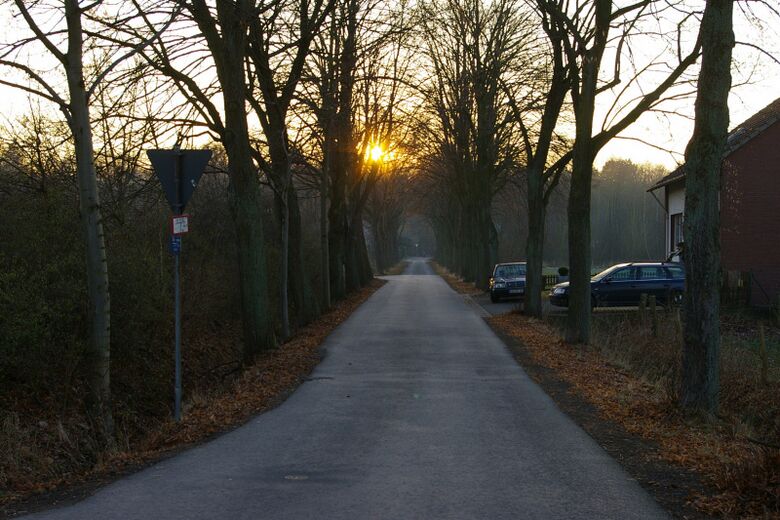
{"type": "Point", "coordinates": [418, 411]}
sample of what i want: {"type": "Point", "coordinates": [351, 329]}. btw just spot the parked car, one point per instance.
{"type": "Point", "coordinates": [508, 281]}
{"type": "Point", "coordinates": [622, 285]}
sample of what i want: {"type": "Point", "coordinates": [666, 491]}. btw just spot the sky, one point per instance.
{"type": "Point", "coordinates": [667, 133]}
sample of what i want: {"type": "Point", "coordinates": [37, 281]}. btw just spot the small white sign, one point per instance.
{"type": "Point", "coordinates": [180, 224]}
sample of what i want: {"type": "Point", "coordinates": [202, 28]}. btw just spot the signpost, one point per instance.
{"type": "Point", "coordinates": [179, 172]}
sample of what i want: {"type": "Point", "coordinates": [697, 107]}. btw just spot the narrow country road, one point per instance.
{"type": "Point", "coordinates": [418, 411]}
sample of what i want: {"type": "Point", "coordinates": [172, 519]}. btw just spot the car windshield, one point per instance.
{"type": "Point", "coordinates": [510, 271]}
{"type": "Point", "coordinates": [606, 272]}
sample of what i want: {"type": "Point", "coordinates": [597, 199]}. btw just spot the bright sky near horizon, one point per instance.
{"type": "Point", "coordinates": [669, 134]}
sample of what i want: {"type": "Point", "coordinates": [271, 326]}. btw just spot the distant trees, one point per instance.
{"type": "Point", "coordinates": [626, 222]}
{"type": "Point", "coordinates": [471, 49]}
{"type": "Point", "coordinates": [386, 211]}
{"type": "Point", "coordinates": [351, 90]}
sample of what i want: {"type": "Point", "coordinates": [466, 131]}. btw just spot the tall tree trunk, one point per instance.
{"type": "Point", "coordinates": [324, 260]}
{"type": "Point", "coordinates": [337, 233]}
{"type": "Point", "coordinates": [486, 244]}
{"type": "Point", "coordinates": [228, 47]}
{"type": "Point", "coordinates": [303, 299]}
{"type": "Point", "coordinates": [256, 311]}
{"type": "Point", "coordinates": [578, 318]}
{"type": "Point", "coordinates": [365, 273]}
{"type": "Point", "coordinates": [583, 154]}
{"type": "Point", "coordinates": [534, 245]}
{"type": "Point", "coordinates": [704, 156]}
{"type": "Point", "coordinates": [246, 207]}
{"type": "Point", "coordinates": [284, 271]}
{"type": "Point", "coordinates": [98, 354]}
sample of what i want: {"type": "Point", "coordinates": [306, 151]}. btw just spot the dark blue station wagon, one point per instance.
{"type": "Point", "coordinates": [622, 285]}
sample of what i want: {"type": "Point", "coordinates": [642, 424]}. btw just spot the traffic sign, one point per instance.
{"type": "Point", "coordinates": [179, 172]}
{"type": "Point", "coordinates": [175, 244]}
{"type": "Point", "coordinates": [180, 224]}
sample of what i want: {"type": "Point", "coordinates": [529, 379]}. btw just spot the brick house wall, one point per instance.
{"type": "Point", "coordinates": [750, 213]}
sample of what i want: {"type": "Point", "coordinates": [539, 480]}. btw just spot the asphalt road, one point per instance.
{"type": "Point", "coordinates": [418, 411]}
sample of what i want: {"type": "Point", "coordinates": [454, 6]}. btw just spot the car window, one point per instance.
{"type": "Point", "coordinates": [677, 273]}
{"type": "Point", "coordinates": [622, 275]}
{"type": "Point", "coordinates": [651, 273]}
{"type": "Point", "coordinates": [510, 271]}
{"type": "Point", "coordinates": [605, 273]}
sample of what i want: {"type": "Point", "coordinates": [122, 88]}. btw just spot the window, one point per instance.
{"type": "Point", "coordinates": [676, 273]}
{"type": "Point", "coordinates": [676, 231]}
{"type": "Point", "coordinates": [623, 275]}
{"type": "Point", "coordinates": [651, 273]}
{"type": "Point", "coordinates": [510, 271]}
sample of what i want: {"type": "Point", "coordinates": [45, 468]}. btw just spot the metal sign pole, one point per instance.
{"type": "Point", "coordinates": [177, 291]}
{"type": "Point", "coordinates": [178, 171]}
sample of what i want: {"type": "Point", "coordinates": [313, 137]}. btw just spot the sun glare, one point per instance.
{"type": "Point", "coordinates": [376, 153]}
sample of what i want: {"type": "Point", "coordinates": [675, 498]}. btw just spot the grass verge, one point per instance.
{"type": "Point", "coordinates": [397, 269]}
{"type": "Point", "coordinates": [455, 282]}
{"type": "Point", "coordinates": [727, 466]}
{"type": "Point", "coordinates": [632, 382]}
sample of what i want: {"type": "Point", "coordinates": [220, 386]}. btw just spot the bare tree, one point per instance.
{"type": "Point", "coordinates": [352, 89]}
{"type": "Point", "coordinates": [74, 104]}
{"type": "Point", "coordinates": [703, 157]}
{"type": "Point", "coordinates": [188, 57]}
{"type": "Point", "coordinates": [588, 25]}
{"type": "Point", "coordinates": [472, 48]}
{"type": "Point", "coordinates": [551, 83]}
{"type": "Point", "coordinates": [271, 45]}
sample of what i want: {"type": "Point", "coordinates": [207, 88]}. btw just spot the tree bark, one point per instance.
{"type": "Point", "coordinates": [578, 317]}
{"type": "Point", "coordinates": [534, 245]}
{"type": "Point", "coordinates": [584, 100]}
{"type": "Point", "coordinates": [704, 156]}
{"type": "Point", "coordinates": [324, 260]}
{"type": "Point", "coordinates": [228, 47]}
{"type": "Point", "coordinates": [98, 354]}
{"type": "Point", "coordinates": [303, 299]}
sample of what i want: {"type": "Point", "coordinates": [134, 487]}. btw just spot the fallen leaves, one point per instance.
{"type": "Point", "coordinates": [745, 477]}
{"type": "Point", "coordinates": [274, 375]}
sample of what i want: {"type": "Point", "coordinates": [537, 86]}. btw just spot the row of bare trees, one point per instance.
{"type": "Point", "coordinates": [294, 93]}
{"type": "Point", "coordinates": [378, 111]}
{"type": "Point", "coordinates": [493, 118]}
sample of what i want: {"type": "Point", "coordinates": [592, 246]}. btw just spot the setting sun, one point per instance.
{"type": "Point", "coordinates": [376, 154]}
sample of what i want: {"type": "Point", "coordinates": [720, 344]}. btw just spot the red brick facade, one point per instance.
{"type": "Point", "coordinates": [750, 213]}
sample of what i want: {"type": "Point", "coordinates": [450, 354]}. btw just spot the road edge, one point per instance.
{"type": "Point", "coordinates": [83, 486]}
{"type": "Point", "coordinates": [670, 486]}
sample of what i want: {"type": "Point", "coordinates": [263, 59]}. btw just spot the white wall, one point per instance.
{"type": "Point", "coordinates": [675, 194]}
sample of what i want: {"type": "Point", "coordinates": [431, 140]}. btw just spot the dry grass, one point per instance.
{"type": "Point", "coordinates": [397, 269]}
{"type": "Point", "coordinates": [631, 377]}
{"type": "Point", "coordinates": [454, 281]}
{"type": "Point", "coordinates": [43, 455]}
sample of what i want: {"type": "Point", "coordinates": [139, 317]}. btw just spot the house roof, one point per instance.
{"type": "Point", "coordinates": [740, 135]}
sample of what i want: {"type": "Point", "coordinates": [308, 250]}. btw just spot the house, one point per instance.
{"type": "Point", "coordinates": [749, 204]}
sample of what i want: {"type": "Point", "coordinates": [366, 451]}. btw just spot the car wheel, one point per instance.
{"type": "Point", "coordinates": [493, 298]}
{"type": "Point", "coordinates": [593, 302]}
{"type": "Point", "coordinates": [676, 298]}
